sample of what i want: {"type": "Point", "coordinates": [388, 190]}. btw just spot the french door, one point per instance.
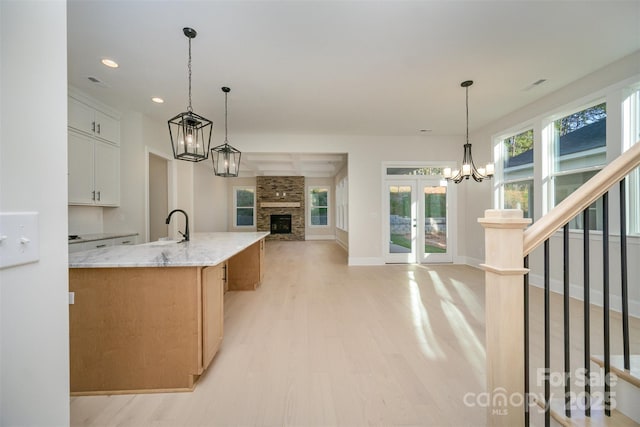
{"type": "Point", "coordinates": [417, 229]}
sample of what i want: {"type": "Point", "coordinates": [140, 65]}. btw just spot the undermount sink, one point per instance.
{"type": "Point", "coordinates": [163, 242]}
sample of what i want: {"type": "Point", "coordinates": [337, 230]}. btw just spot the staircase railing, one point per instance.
{"type": "Point", "coordinates": [507, 246]}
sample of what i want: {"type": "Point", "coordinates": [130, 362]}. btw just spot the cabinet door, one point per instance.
{"type": "Point", "coordinates": [107, 127]}
{"type": "Point", "coordinates": [80, 167]}
{"type": "Point", "coordinates": [81, 116]}
{"type": "Point", "coordinates": [107, 174]}
{"type": "Point", "coordinates": [261, 260]}
{"type": "Point", "coordinates": [212, 311]}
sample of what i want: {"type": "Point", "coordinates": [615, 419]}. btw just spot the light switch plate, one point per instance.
{"type": "Point", "coordinates": [19, 238]}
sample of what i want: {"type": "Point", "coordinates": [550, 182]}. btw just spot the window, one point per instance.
{"type": "Point", "coordinates": [244, 202]}
{"type": "Point", "coordinates": [631, 136]}
{"type": "Point", "coordinates": [342, 204]}
{"type": "Point", "coordinates": [578, 151]}
{"type": "Point", "coordinates": [319, 206]}
{"type": "Point", "coordinates": [517, 172]}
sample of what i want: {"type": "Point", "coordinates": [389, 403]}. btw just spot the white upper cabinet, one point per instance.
{"type": "Point", "coordinates": [87, 119]}
{"type": "Point", "coordinates": [94, 171]}
{"type": "Point", "coordinates": [93, 153]}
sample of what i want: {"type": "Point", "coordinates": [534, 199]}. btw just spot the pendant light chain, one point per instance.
{"type": "Point", "coordinates": [467, 91]}
{"type": "Point", "coordinates": [189, 108]}
{"type": "Point", "coordinates": [225, 117]}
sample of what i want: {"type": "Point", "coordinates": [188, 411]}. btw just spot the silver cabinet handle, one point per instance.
{"type": "Point", "coordinates": [93, 195]}
{"type": "Point", "coordinates": [101, 246]}
{"type": "Point", "coordinates": [98, 196]}
{"type": "Point", "coordinates": [93, 126]}
{"type": "Point", "coordinates": [126, 242]}
{"type": "Point", "coordinates": [98, 128]}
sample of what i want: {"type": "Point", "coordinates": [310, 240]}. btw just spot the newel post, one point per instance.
{"type": "Point", "coordinates": [504, 319]}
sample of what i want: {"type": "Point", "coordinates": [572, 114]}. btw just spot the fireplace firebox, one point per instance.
{"type": "Point", "coordinates": [280, 224]}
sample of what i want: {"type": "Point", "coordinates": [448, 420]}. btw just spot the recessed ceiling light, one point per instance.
{"type": "Point", "coordinates": [109, 63]}
{"type": "Point", "coordinates": [157, 100]}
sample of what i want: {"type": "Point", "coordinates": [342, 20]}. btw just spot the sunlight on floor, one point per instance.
{"type": "Point", "coordinates": [424, 332]}
{"type": "Point", "coordinates": [474, 350]}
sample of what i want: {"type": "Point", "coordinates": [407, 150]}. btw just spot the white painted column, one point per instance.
{"type": "Point", "coordinates": [504, 299]}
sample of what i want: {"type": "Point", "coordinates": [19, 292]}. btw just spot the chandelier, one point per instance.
{"type": "Point", "coordinates": [468, 167]}
{"type": "Point", "coordinates": [190, 133]}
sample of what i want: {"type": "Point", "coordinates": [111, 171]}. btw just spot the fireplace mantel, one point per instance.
{"type": "Point", "coordinates": [280, 204]}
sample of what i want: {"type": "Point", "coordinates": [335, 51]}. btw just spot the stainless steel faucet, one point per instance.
{"type": "Point", "coordinates": [185, 235]}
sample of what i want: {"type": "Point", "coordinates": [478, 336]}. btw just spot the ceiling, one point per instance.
{"type": "Point", "coordinates": [342, 67]}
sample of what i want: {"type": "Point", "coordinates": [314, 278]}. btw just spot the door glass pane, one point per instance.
{"type": "Point", "coordinates": [399, 219]}
{"type": "Point", "coordinates": [435, 219]}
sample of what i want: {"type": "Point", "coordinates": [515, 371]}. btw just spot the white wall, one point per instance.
{"type": "Point", "coordinates": [607, 83]}
{"type": "Point", "coordinates": [34, 324]}
{"type": "Point", "coordinates": [210, 199]}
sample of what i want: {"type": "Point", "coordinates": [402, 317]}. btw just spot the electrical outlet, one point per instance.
{"type": "Point", "coordinates": [19, 240]}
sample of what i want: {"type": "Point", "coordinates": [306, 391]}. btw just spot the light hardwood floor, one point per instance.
{"type": "Point", "coordinates": [324, 344]}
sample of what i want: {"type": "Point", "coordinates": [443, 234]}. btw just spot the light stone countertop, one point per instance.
{"type": "Point", "coordinates": [204, 249]}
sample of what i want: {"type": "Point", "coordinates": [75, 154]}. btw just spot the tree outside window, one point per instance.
{"type": "Point", "coordinates": [319, 206]}
{"type": "Point", "coordinates": [245, 206]}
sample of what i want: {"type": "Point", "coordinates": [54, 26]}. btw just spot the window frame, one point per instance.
{"type": "Point", "coordinates": [311, 206]}
{"type": "Point", "coordinates": [630, 136]}
{"type": "Point", "coordinates": [235, 205]}
{"type": "Point", "coordinates": [501, 182]}
{"type": "Point", "coordinates": [342, 204]}
{"type": "Point", "coordinates": [549, 139]}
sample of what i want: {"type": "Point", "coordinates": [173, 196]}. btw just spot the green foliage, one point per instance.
{"type": "Point", "coordinates": [244, 198]}
{"type": "Point", "coordinates": [518, 144]}
{"type": "Point", "coordinates": [581, 119]}
{"type": "Point", "coordinates": [319, 197]}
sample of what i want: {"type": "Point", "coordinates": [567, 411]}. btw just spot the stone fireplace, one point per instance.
{"type": "Point", "coordinates": [281, 198]}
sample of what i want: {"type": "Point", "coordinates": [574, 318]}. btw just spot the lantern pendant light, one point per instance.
{"type": "Point", "coordinates": [468, 167]}
{"type": "Point", "coordinates": [190, 133]}
{"type": "Point", "coordinates": [226, 159]}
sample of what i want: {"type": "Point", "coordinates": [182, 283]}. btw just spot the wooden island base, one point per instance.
{"type": "Point", "coordinates": [149, 329]}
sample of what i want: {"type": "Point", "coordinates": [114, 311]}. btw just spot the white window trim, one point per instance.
{"type": "Point", "coordinates": [235, 205]}
{"type": "Point", "coordinates": [341, 205]}
{"type": "Point", "coordinates": [322, 187]}
{"type": "Point", "coordinates": [498, 151]}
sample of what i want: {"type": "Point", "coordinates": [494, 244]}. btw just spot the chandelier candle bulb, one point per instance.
{"type": "Point", "coordinates": [466, 170]}
{"type": "Point", "coordinates": [490, 169]}
{"type": "Point", "coordinates": [447, 172]}
{"type": "Point", "coordinates": [482, 171]}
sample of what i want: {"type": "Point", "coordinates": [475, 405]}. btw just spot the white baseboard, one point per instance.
{"type": "Point", "coordinates": [353, 261]}
{"type": "Point", "coordinates": [320, 237]}
{"type": "Point", "coordinates": [595, 296]}
{"type": "Point", "coordinates": [473, 262]}
{"type": "Point", "coordinates": [343, 245]}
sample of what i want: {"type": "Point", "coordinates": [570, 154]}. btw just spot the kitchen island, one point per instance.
{"type": "Point", "coordinates": [149, 318]}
